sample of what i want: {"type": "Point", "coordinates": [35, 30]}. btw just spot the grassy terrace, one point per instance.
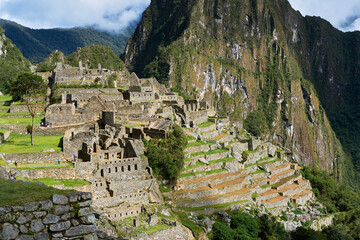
{"type": "Point", "coordinates": [22, 144]}
{"type": "Point", "coordinates": [36, 166]}
{"type": "Point", "coordinates": [20, 120]}
{"type": "Point", "coordinates": [32, 103]}
{"type": "Point", "coordinates": [4, 107]}
{"type": "Point", "coordinates": [205, 124]}
{"type": "Point", "coordinates": [5, 98]}
{"type": "Point", "coordinates": [198, 143]}
{"type": "Point", "coordinates": [197, 164]}
{"type": "Point", "coordinates": [133, 125]}
{"type": "Point", "coordinates": [223, 205]}
{"type": "Point", "coordinates": [18, 193]}
{"type": "Point", "coordinates": [209, 152]}
{"type": "Point", "coordinates": [196, 229]}
{"type": "Point", "coordinates": [14, 114]}
{"type": "Point", "coordinates": [200, 172]}
{"type": "Point", "coordinates": [66, 182]}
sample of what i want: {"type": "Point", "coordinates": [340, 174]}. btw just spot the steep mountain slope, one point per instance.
{"type": "Point", "coordinates": [12, 62]}
{"type": "Point", "coordinates": [36, 45]}
{"type": "Point", "coordinates": [250, 53]}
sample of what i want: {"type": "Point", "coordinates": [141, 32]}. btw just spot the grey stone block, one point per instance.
{"type": "Point", "coordinates": [73, 197]}
{"type": "Point", "coordinates": [75, 222]}
{"type": "Point", "coordinates": [31, 207]}
{"type": "Point", "coordinates": [50, 219]}
{"type": "Point", "coordinates": [24, 218]}
{"type": "Point", "coordinates": [92, 236]}
{"type": "Point", "coordinates": [86, 203]}
{"type": "Point", "coordinates": [85, 195]}
{"type": "Point", "coordinates": [36, 225]}
{"type": "Point", "coordinates": [60, 226]}
{"type": "Point", "coordinates": [88, 219]}
{"type": "Point", "coordinates": [46, 205]}
{"type": "Point", "coordinates": [18, 208]}
{"type": "Point", "coordinates": [9, 232]}
{"type": "Point", "coordinates": [25, 237]}
{"type": "Point", "coordinates": [23, 229]}
{"type": "Point", "coordinates": [58, 235]}
{"type": "Point", "coordinates": [42, 236]}
{"type": "Point", "coordinates": [66, 216]}
{"type": "Point", "coordinates": [61, 209]}
{"type": "Point", "coordinates": [7, 217]}
{"type": "Point", "coordinates": [59, 199]}
{"type": "Point", "coordinates": [80, 230]}
{"type": "Point", "coordinates": [39, 214]}
{"type": "Point", "coordinates": [85, 211]}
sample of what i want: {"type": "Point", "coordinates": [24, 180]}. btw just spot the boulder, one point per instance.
{"type": "Point", "coordinates": [165, 212]}
{"type": "Point", "coordinates": [59, 199]}
{"type": "Point", "coordinates": [50, 219]}
{"type": "Point", "coordinates": [57, 227]}
{"type": "Point", "coordinates": [24, 218]}
{"type": "Point", "coordinates": [31, 207]}
{"type": "Point", "coordinates": [46, 205]}
{"type": "Point", "coordinates": [61, 209]}
{"type": "Point", "coordinates": [88, 219]}
{"type": "Point", "coordinates": [207, 224]}
{"type": "Point", "coordinates": [36, 225]}
{"type": "Point", "coordinates": [80, 230]}
{"type": "Point", "coordinates": [203, 160]}
{"type": "Point", "coordinates": [9, 231]}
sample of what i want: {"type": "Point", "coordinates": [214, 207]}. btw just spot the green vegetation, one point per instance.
{"type": "Point", "coordinates": [223, 205]}
{"type": "Point", "coordinates": [37, 44]}
{"type": "Point", "coordinates": [205, 124]}
{"type": "Point", "coordinates": [166, 156]}
{"type": "Point", "coordinates": [18, 143]}
{"type": "Point", "coordinates": [244, 226]}
{"type": "Point", "coordinates": [66, 182]}
{"type": "Point", "coordinates": [201, 172]}
{"type": "Point", "coordinates": [5, 98]}
{"type": "Point", "coordinates": [38, 166]}
{"type": "Point", "coordinates": [198, 143]}
{"type": "Point", "coordinates": [215, 151]}
{"type": "Point", "coordinates": [196, 229]}
{"type": "Point", "coordinates": [164, 188]}
{"type": "Point", "coordinates": [95, 54]}
{"type": "Point", "coordinates": [20, 120]}
{"type": "Point", "coordinates": [18, 193]}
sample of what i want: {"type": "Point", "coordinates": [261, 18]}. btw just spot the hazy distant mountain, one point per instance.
{"type": "Point", "coordinates": [37, 44]}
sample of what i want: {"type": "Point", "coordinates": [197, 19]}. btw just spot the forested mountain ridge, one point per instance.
{"type": "Point", "coordinates": [37, 44]}
{"type": "Point", "coordinates": [271, 69]}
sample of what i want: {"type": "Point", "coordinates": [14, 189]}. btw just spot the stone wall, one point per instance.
{"type": "Point", "coordinates": [4, 136]}
{"type": "Point", "coordinates": [23, 108]}
{"type": "Point", "coordinates": [65, 119]}
{"type": "Point", "coordinates": [25, 158]}
{"type": "Point", "coordinates": [62, 217]}
{"type": "Point", "coordinates": [56, 173]}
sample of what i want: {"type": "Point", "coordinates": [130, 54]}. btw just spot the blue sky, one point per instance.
{"type": "Point", "coordinates": [114, 15]}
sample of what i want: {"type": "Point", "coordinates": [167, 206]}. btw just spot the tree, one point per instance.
{"type": "Point", "coordinates": [29, 89]}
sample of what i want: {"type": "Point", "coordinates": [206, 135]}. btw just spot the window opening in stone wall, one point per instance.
{"type": "Point", "coordinates": [122, 168]}
{"type": "Point", "coordinates": [102, 172]}
{"type": "Point", "coordinates": [116, 170]}
{"type": "Point", "coordinates": [109, 170]}
{"type": "Point", "coordinates": [106, 156]}
{"type": "Point", "coordinates": [136, 168]}
{"type": "Point", "coordinates": [129, 168]}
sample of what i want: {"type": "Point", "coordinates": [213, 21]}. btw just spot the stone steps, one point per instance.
{"type": "Point", "coordinates": [276, 202]}
{"type": "Point", "coordinates": [277, 177]}
{"type": "Point", "coordinates": [234, 196]}
{"type": "Point", "coordinates": [280, 168]}
{"type": "Point", "coordinates": [211, 190]}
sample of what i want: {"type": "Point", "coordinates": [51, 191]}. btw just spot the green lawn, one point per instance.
{"type": "Point", "coordinates": [22, 113]}
{"type": "Point", "coordinates": [212, 206]}
{"type": "Point", "coordinates": [5, 98]}
{"type": "Point", "coordinates": [205, 124]}
{"type": "Point", "coordinates": [17, 143]}
{"type": "Point", "coordinates": [196, 229]}
{"type": "Point", "coordinates": [66, 182]}
{"type": "Point", "coordinates": [35, 166]}
{"type": "Point", "coordinates": [198, 143]}
{"type": "Point", "coordinates": [4, 130]}
{"type": "Point", "coordinates": [209, 152]}
{"type": "Point", "coordinates": [4, 107]}
{"type": "Point", "coordinates": [19, 121]}
{"type": "Point", "coordinates": [31, 103]}
{"type": "Point", "coordinates": [200, 172]}
{"type": "Point", "coordinates": [18, 193]}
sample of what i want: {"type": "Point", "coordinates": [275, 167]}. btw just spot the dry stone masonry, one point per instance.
{"type": "Point", "coordinates": [61, 217]}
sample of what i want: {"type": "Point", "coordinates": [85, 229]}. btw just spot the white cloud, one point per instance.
{"type": "Point", "coordinates": [112, 15]}
{"type": "Point", "coordinates": [339, 13]}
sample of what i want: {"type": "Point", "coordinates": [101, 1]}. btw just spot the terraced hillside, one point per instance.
{"type": "Point", "coordinates": [227, 168]}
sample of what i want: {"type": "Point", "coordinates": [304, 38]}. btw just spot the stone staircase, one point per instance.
{"type": "Point", "coordinates": [212, 177]}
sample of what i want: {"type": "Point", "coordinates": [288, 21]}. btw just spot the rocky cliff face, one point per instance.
{"type": "Point", "coordinates": [259, 58]}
